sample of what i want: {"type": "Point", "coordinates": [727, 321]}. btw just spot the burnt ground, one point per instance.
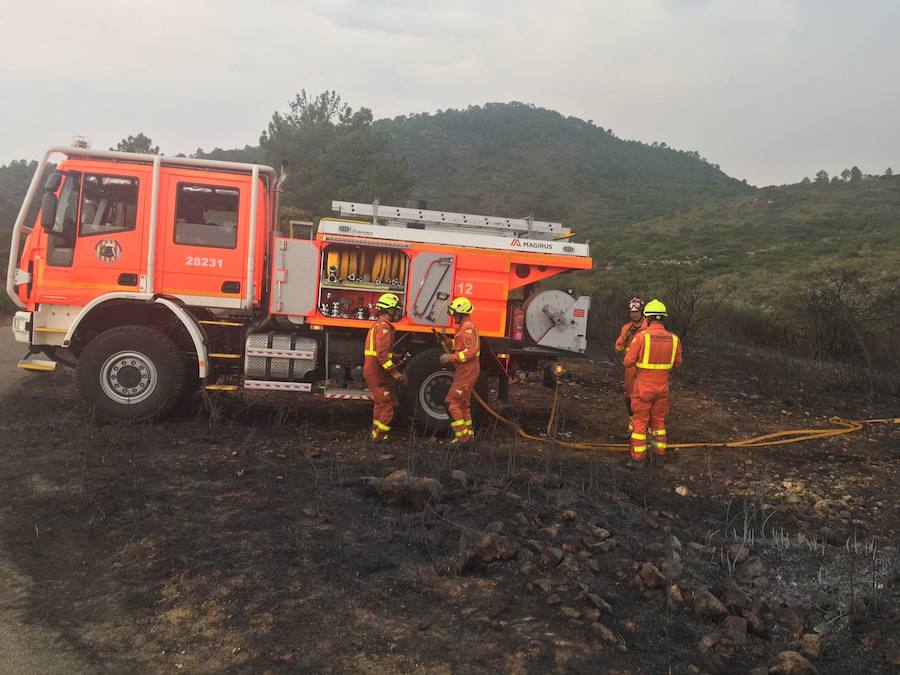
{"type": "Point", "coordinates": [245, 541]}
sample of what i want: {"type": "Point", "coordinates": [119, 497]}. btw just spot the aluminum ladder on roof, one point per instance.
{"type": "Point", "coordinates": [424, 219]}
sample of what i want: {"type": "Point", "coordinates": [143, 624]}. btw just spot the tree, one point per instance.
{"type": "Point", "coordinates": [845, 174]}
{"type": "Point", "coordinates": [805, 181]}
{"type": "Point", "coordinates": [888, 172]}
{"type": "Point", "coordinates": [334, 154]}
{"type": "Point", "coordinates": [855, 174]}
{"type": "Point", "coordinates": [821, 176]}
{"type": "Point", "coordinates": [138, 143]}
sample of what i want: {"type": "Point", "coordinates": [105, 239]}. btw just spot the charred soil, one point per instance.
{"type": "Point", "coordinates": [250, 538]}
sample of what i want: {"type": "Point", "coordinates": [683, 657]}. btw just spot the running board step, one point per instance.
{"type": "Point", "coordinates": [277, 386]}
{"type": "Point", "coordinates": [348, 394]}
{"type": "Point", "coordinates": [222, 387]}
{"type": "Point", "coordinates": [235, 324]}
{"type": "Point", "coordinates": [38, 365]}
{"type": "Point", "coordinates": [224, 356]}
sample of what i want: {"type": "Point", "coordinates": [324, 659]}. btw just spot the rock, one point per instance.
{"type": "Point", "coordinates": [672, 566]}
{"type": "Point", "coordinates": [650, 576]}
{"type": "Point", "coordinates": [568, 514]}
{"type": "Point", "coordinates": [551, 556]}
{"type": "Point", "coordinates": [792, 618]}
{"type": "Point", "coordinates": [495, 526]}
{"type": "Point", "coordinates": [570, 612]}
{"type": "Point", "coordinates": [591, 614]}
{"type": "Point", "coordinates": [606, 634]}
{"type": "Point", "coordinates": [821, 505]}
{"type": "Point", "coordinates": [734, 630]}
{"type": "Point", "coordinates": [545, 585]}
{"type": "Point", "coordinates": [600, 533]}
{"type": "Point", "coordinates": [401, 489]}
{"type": "Point", "coordinates": [570, 566]}
{"type": "Point", "coordinates": [683, 491]}
{"type": "Point", "coordinates": [594, 566]}
{"type": "Point", "coordinates": [791, 663]}
{"type": "Point", "coordinates": [608, 545]}
{"type": "Point", "coordinates": [459, 479]}
{"type": "Point", "coordinates": [737, 553]}
{"type": "Point", "coordinates": [554, 599]}
{"type": "Point", "coordinates": [675, 543]}
{"type": "Point", "coordinates": [811, 645]}
{"type": "Point", "coordinates": [752, 570]}
{"type": "Point", "coordinates": [707, 642]}
{"type": "Point", "coordinates": [755, 622]}
{"type": "Point", "coordinates": [676, 599]}
{"type": "Point", "coordinates": [735, 597]}
{"type": "Point", "coordinates": [527, 568]}
{"type": "Point", "coordinates": [707, 606]}
{"type": "Point", "coordinates": [482, 547]}
{"type": "Point", "coordinates": [702, 549]}
{"type": "Point", "coordinates": [599, 602]}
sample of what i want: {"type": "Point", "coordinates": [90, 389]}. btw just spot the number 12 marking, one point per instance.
{"type": "Point", "coordinates": [464, 287]}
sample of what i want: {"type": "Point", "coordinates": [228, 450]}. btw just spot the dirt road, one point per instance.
{"type": "Point", "coordinates": [249, 538]}
{"type": "Point", "coordinates": [25, 647]}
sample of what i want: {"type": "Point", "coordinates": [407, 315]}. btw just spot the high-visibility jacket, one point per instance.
{"type": "Point", "coordinates": [379, 343]}
{"type": "Point", "coordinates": [654, 351]}
{"type": "Point", "coordinates": [629, 330]}
{"type": "Point", "coordinates": [466, 343]}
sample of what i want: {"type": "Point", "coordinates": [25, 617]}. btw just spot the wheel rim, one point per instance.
{"type": "Point", "coordinates": [128, 377]}
{"type": "Point", "coordinates": [432, 392]}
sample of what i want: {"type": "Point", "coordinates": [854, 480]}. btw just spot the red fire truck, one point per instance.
{"type": "Point", "coordinates": [156, 277]}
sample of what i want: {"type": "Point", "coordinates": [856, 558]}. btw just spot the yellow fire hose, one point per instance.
{"type": "Point", "coordinates": [840, 427]}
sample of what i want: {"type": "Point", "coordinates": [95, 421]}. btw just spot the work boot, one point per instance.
{"type": "Point", "coordinates": [659, 461]}
{"type": "Point", "coordinates": [635, 465]}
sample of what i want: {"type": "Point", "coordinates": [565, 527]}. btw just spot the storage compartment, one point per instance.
{"type": "Point", "coordinates": [352, 278]}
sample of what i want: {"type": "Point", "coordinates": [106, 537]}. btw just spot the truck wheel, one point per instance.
{"type": "Point", "coordinates": [131, 373]}
{"type": "Point", "coordinates": [422, 400]}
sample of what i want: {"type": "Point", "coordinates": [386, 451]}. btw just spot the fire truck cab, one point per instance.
{"type": "Point", "coordinates": [156, 277]}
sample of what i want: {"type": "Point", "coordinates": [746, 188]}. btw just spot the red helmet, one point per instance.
{"type": "Point", "coordinates": [635, 304]}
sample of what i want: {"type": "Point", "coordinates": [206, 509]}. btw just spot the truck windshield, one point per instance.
{"type": "Point", "coordinates": [67, 211]}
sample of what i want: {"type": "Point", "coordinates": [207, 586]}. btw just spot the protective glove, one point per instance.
{"type": "Point", "coordinates": [446, 359]}
{"type": "Point", "coordinates": [401, 377]}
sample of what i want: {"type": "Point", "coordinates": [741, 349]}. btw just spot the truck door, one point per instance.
{"type": "Point", "coordinates": [204, 223]}
{"type": "Point", "coordinates": [97, 243]}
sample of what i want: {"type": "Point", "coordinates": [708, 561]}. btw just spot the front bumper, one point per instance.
{"type": "Point", "coordinates": [21, 327]}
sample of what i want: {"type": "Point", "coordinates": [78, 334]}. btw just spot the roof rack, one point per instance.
{"type": "Point", "coordinates": [424, 219]}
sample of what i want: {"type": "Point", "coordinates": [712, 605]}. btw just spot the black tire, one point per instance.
{"type": "Point", "coordinates": [131, 373]}
{"type": "Point", "coordinates": [422, 399]}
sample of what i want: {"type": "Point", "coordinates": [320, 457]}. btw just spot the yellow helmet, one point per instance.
{"type": "Point", "coordinates": [388, 301]}
{"type": "Point", "coordinates": [655, 308]}
{"type": "Point", "coordinates": [460, 305]}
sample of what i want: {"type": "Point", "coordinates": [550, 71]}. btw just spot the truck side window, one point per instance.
{"type": "Point", "coordinates": [108, 204]}
{"type": "Point", "coordinates": [61, 239]}
{"type": "Point", "coordinates": [206, 215]}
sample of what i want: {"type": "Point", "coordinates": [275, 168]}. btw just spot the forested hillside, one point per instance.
{"type": "Point", "coordinates": [514, 159]}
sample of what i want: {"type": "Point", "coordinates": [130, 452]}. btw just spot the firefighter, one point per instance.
{"type": "Point", "coordinates": [635, 323]}
{"type": "Point", "coordinates": [379, 370]}
{"type": "Point", "coordinates": [654, 351]}
{"type": "Point", "coordinates": [466, 362]}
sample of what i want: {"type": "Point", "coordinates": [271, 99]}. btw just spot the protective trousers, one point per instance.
{"type": "Point", "coordinates": [649, 409]}
{"type": "Point", "coordinates": [459, 399]}
{"type": "Point", "coordinates": [383, 398]}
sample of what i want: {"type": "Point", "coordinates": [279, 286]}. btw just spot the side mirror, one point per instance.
{"type": "Point", "coordinates": [48, 211]}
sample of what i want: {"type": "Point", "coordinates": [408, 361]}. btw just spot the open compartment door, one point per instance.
{"type": "Point", "coordinates": [295, 277]}
{"type": "Point", "coordinates": [430, 289]}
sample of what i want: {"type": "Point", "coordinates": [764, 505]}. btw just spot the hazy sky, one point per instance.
{"type": "Point", "coordinates": [771, 90]}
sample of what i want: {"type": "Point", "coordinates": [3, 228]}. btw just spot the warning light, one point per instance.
{"type": "Point", "coordinates": [559, 369]}
{"type": "Point", "coordinates": [502, 356]}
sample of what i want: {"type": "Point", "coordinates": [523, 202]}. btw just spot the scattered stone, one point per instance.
{"type": "Point", "coordinates": [676, 599]}
{"type": "Point", "coordinates": [551, 556]}
{"type": "Point", "coordinates": [545, 585]}
{"type": "Point", "coordinates": [702, 549]}
{"type": "Point", "coordinates": [607, 635]}
{"type": "Point", "coordinates": [650, 576]}
{"type": "Point", "coordinates": [570, 566]}
{"type": "Point", "coordinates": [791, 663]}
{"type": "Point", "coordinates": [570, 612]}
{"type": "Point", "coordinates": [600, 533]}
{"type": "Point", "coordinates": [755, 622]}
{"type": "Point", "coordinates": [459, 479]}
{"type": "Point", "coordinates": [568, 514]}
{"type": "Point", "coordinates": [811, 645]}
{"type": "Point", "coordinates": [527, 568]}
{"type": "Point", "coordinates": [482, 547]}
{"type": "Point", "coordinates": [752, 570]}
{"type": "Point", "coordinates": [707, 606]}
{"type": "Point", "coordinates": [672, 565]}
{"type": "Point", "coordinates": [792, 618]}
{"type": "Point", "coordinates": [707, 642]}
{"type": "Point", "coordinates": [592, 614]}
{"type": "Point", "coordinates": [737, 553]}
{"type": "Point", "coordinates": [821, 505]}
{"type": "Point", "coordinates": [675, 542]}
{"type": "Point", "coordinates": [496, 527]}
{"type": "Point", "coordinates": [554, 599]}
{"type": "Point", "coordinates": [734, 630]}
{"type": "Point", "coordinates": [683, 491]}
{"type": "Point", "coordinates": [735, 597]}
{"type": "Point", "coordinates": [401, 489]}
{"type": "Point", "coordinates": [599, 602]}
{"type": "Point", "coordinates": [594, 566]}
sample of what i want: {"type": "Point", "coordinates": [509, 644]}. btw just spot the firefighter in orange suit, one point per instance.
{"type": "Point", "coordinates": [635, 323]}
{"type": "Point", "coordinates": [380, 370]}
{"type": "Point", "coordinates": [467, 366]}
{"type": "Point", "coordinates": [654, 351]}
